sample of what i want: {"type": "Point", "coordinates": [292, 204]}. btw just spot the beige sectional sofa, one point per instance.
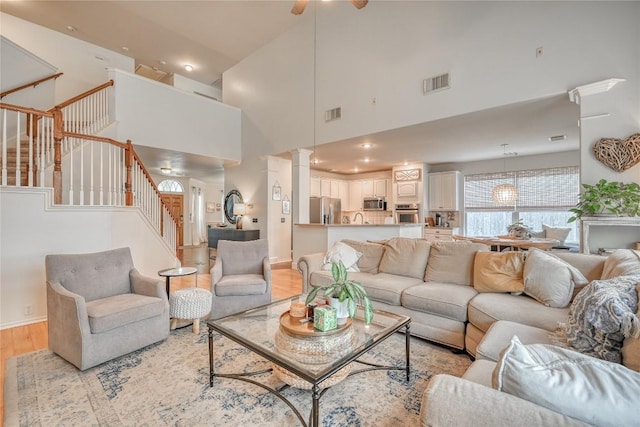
{"type": "Point", "coordinates": [446, 307]}
{"type": "Point", "coordinates": [433, 284]}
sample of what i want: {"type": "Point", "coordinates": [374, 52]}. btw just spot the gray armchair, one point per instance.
{"type": "Point", "coordinates": [100, 307]}
{"type": "Point", "coordinates": [240, 277]}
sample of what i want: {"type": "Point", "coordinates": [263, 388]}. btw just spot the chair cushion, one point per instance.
{"type": "Point", "coordinates": [241, 284]}
{"type": "Point", "coordinates": [119, 310]}
{"type": "Point", "coordinates": [442, 299]}
{"type": "Point", "coordinates": [405, 257]}
{"type": "Point", "coordinates": [452, 262]}
{"type": "Point", "coordinates": [486, 308]}
{"type": "Point", "coordinates": [242, 257]}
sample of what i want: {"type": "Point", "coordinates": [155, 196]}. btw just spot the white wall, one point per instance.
{"type": "Point", "coordinates": [279, 224]}
{"type": "Point", "coordinates": [186, 84]}
{"type": "Point", "coordinates": [31, 227]}
{"type": "Point", "coordinates": [156, 115]}
{"type": "Point", "coordinates": [84, 65]}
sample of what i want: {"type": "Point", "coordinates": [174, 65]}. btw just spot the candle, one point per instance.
{"type": "Point", "coordinates": [297, 309]}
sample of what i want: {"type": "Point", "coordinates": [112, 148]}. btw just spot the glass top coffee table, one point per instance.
{"type": "Point", "coordinates": [259, 330]}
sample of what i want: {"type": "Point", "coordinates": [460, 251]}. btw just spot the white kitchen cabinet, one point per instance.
{"type": "Point", "coordinates": [374, 188]}
{"type": "Point", "coordinates": [355, 196]}
{"type": "Point", "coordinates": [335, 189]}
{"type": "Point", "coordinates": [344, 194]}
{"type": "Point", "coordinates": [444, 193]}
{"type": "Point", "coordinates": [314, 187]}
{"type": "Point", "coordinates": [407, 189]}
{"type": "Point", "coordinates": [325, 187]}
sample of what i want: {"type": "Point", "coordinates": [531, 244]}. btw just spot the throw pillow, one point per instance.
{"type": "Point", "coordinates": [498, 272]}
{"type": "Point", "coordinates": [452, 262]}
{"type": "Point", "coordinates": [557, 233]}
{"type": "Point", "coordinates": [631, 346]}
{"type": "Point", "coordinates": [602, 315]}
{"type": "Point", "coordinates": [538, 234]}
{"type": "Point", "coordinates": [341, 252]}
{"type": "Point", "coordinates": [549, 279]}
{"type": "Point", "coordinates": [405, 257]}
{"type": "Point", "coordinates": [582, 387]}
{"type": "Point", "coordinates": [622, 262]}
{"type": "Point", "coordinates": [371, 255]}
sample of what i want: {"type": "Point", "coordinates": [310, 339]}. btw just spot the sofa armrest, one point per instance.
{"type": "Point", "coordinates": [266, 272]}
{"type": "Point", "coordinates": [216, 274]}
{"type": "Point", "coordinates": [453, 401]}
{"type": "Point", "coordinates": [66, 312]}
{"type": "Point", "coordinates": [144, 285]}
{"type": "Point", "coordinates": [307, 264]}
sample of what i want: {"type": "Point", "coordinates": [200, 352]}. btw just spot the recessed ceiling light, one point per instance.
{"type": "Point", "coordinates": [355, 169]}
{"type": "Point", "coordinates": [188, 67]}
{"type": "Point", "coordinates": [366, 160]}
{"type": "Point", "coordinates": [71, 28]}
{"type": "Point", "coordinates": [126, 49]}
{"type": "Point", "coordinates": [367, 145]}
{"type": "Point", "coordinates": [165, 170]}
{"type": "Point", "coordinates": [162, 62]}
{"type": "Point", "coordinates": [406, 163]}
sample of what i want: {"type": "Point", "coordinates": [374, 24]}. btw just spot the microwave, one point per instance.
{"type": "Point", "coordinates": [374, 204]}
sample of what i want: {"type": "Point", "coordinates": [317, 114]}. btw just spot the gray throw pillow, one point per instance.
{"type": "Point", "coordinates": [602, 315]}
{"type": "Point", "coordinates": [582, 387]}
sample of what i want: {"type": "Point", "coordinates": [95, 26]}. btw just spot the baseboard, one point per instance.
{"type": "Point", "coordinates": [23, 322]}
{"type": "Point", "coordinates": [281, 265]}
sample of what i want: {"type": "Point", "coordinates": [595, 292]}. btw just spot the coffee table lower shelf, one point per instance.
{"type": "Point", "coordinates": [317, 391]}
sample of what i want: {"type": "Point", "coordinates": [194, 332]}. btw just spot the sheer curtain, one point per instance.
{"type": "Point", "coordinates": [198, 225]}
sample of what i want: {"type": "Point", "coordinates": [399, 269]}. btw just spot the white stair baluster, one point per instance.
{"type": "Point", "coordinates": [4, 147]}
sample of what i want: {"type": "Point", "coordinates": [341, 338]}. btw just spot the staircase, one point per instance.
{"type": "Point", "coordinates": [61, 150]}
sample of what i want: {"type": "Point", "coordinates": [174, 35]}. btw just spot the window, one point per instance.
{"type": "Point", "coordinates": [170, 186]}
{"type": "Point", "coordinates": [545, 196]}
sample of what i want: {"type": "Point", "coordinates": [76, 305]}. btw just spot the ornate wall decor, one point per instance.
{"type": "Point", "coordinates": [407, 175]}
{"type": "Point", "coordinates": [618, 154]}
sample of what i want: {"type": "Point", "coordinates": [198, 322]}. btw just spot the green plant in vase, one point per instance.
{"type": "Point", "coordinates": [345, 290]}
{"type": "Point", "coordinates": [613, 198]}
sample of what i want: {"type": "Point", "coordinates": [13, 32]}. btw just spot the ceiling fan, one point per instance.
{"type": "Point", "coordinates": [299, 5]}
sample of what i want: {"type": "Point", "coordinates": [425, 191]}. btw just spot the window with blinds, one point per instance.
{"type": "Point", "coordinates": [544, 197]}
{"type": "Point", "coordinates": [539, 189]}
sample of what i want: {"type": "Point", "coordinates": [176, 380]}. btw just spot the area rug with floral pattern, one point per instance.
{"type": "Point", "coordinates": [167, 384]}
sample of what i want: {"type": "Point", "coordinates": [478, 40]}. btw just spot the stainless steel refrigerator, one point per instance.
{"type": "Point", "coordinates": [324, 210]}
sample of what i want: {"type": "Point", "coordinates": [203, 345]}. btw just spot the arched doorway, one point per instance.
{"type": "Point", "coordinates": [173, 195]}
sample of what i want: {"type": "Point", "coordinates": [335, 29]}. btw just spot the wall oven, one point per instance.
{"type": "Point", "coordinates": [374, 204]}
{"type": "Point", "coordinates": [407, 213]}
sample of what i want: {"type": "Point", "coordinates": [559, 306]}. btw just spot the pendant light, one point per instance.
{"type": "Point", "coordinates": [505, 194]}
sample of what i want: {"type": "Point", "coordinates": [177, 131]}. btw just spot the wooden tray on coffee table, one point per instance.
{"type": "Point", "coordinates": [293, 326]}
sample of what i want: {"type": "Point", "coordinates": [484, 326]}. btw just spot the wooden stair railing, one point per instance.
{"type": "Point", "coordinates": [28, 85]}
{"type": "Point", "coordinates": [98, 171]}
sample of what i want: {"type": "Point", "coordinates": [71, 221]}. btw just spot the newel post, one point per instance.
{"type": "Point", "coordinates": [128, 163]}
{"type": "Point", "coordinates": [58, 128]}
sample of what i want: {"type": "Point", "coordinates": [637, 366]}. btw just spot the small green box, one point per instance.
{"type": "Point", "coordinates": [324, 318]}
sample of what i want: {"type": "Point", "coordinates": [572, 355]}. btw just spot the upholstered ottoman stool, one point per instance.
{"type": "Point", "coordinates": [191, 304]}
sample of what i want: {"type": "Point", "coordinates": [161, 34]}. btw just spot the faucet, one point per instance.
{"type": "Point", "coordinates": [361, 217]}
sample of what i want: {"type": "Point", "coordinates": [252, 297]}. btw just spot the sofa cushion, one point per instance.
{"type": "Point", "coordinates": [341, 252]}
{"type": "Point", "coordinates": [405, 257]}
{"type": "Point", "coordinates": [241, 284]}
{"type": "Point", "coordinates": [588, 389]}
{"type": "Point", "coordinates": [452, 262]}
{"type": "Point", "coordinates": [486, 308]}
{"type": "Point", "coordinates": [602, 315]}
{"type": "Point", "coordinates": [623, 262]}
{"type": "Point", "coordinates": [381, 287]}
{"type": "Point", "coordinates": [631, 346]}
{"type": "Point", "coordinates": [480, 372]}
{"type": "Point", "coordinates": [442, 299]}
{"type": "Point", "coordinates": [371, 255]}
{"type": "Point", "coordinates": [498, 272]}
{"type": "Point", "coordinates": [119, 310]}
{"type": "Point", "coordinates": [550, 279]}
{"type": "Point", "coordinates": [500, 334]}
{"type": "Point", "coordinates": [557, 233]}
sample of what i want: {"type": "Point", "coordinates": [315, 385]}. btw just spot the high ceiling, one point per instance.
{"type": "Point", "coordinates": [212, 36]}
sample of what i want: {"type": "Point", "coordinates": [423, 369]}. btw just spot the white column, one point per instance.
{"type": "Point", "coordinates": [300, 184]}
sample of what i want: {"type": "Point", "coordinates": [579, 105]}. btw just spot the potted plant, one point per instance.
{"type": "Point", "coordinates": [519, 229]}
{"type": "Point", "coordinates": [345, 290]}
{"type": "Point", "coordinates": [613, 198]}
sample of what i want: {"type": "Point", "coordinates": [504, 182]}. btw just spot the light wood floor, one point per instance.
{"type": "Point", "coordinates": [24, 339]}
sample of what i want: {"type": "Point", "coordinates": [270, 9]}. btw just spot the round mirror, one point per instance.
{"type": "Point", "coordinates": [230, 200]}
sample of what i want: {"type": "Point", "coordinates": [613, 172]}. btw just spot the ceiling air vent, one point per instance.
{"type": "Point", "coordinates": [333, 114]}
{"type": "Point", "coordinates": [434, 84]}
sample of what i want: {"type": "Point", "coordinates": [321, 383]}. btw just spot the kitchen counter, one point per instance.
{"type": "Point", "coordinates": [311, 238]}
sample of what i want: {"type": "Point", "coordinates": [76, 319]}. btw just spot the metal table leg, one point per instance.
{"type": "Point", "coordinates": [211, 375]}
{"type": "Point", "coordinates": [407, 338]}
{"type": "Point", "coordinates": [315, 408]}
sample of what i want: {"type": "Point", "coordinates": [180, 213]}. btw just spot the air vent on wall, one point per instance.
{"type": "Point", "coordinates": [434, 84]}
{"type": "Point", "coordinates": [333, 114]}
{"type": "Point", "coordinates": [557, 138]}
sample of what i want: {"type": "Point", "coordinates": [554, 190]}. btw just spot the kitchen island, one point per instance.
{"type": "Point", "coordinates": [311, 238]}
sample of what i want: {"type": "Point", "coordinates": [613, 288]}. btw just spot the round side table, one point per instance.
{"type": "Point", "coordinates": [177, 272]}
